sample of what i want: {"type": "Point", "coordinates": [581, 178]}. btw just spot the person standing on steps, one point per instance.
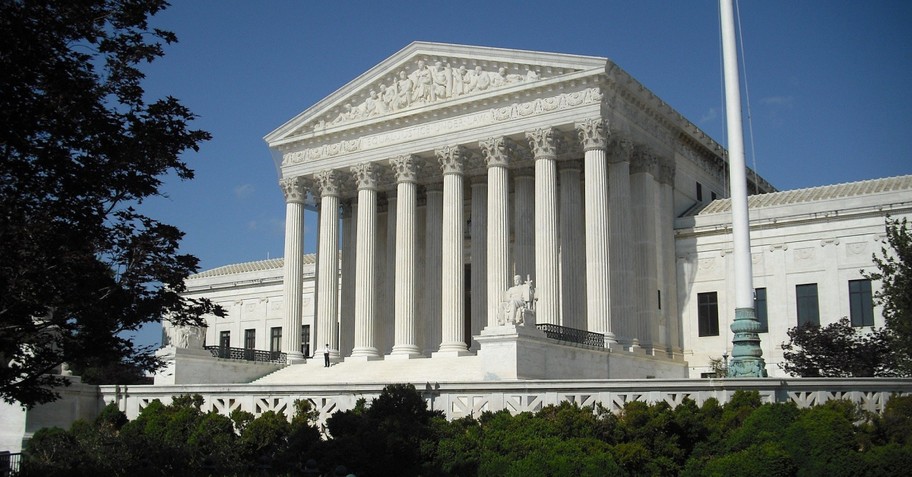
{"type": "Point", "coordinates": [326, 356]}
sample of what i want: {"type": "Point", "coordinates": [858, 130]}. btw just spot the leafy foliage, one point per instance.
{"type": "Point", "coordinates": [80, 149]}
{"type": "Point", "coordinates": [396, 434]}
{"type": "Point", "coordinates": [894, 270]}
{"type": "Point", "coordinates": [838, 350]}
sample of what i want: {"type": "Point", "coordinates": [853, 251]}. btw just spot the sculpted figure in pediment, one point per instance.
{"type": "Point", "coordinates": [422, 83]}
{"type": "Point", "coordinates": [458, 81]}
{"type": "Point", "coordinates": [442, 81]}
{"type": "Point", "coordinates": [403, 91]}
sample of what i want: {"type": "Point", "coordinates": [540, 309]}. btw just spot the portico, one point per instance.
{"type": "Point", "coordinates": [446, 170]}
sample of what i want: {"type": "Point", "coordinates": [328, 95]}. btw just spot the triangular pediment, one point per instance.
{"type": "Point", "coordinates": [426, 75]}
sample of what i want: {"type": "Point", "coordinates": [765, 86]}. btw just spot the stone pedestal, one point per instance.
{"type": "Point", "coordinates": [512, 352]}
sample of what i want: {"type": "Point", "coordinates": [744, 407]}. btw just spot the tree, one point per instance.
{"type": "Point", "coordinates": [81, 148]}
{"type": "Point", "coordinates": [838, 350]}
{"type": "Point", "coordinates": [894, 270]}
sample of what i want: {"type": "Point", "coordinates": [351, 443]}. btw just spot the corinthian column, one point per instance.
{"type": "Point", "coordinates": [432, 251]}
{"type": "Point", "coordinates": [328, 262]}
{"type": "Point", "coordinates": [365, 257]}
{"type": "Point", "coordinates": [573, 247]}
{"type": "Point", "coordinates": [524, 220]}
{"type": "Point", "coordinates": [497, 152]}
{"type": "Point", "coordinates": [405, 345]}
{"type": "Point", "coordinates": [544, 144]}
{"type": "Point", "coordinates": [293, 288]}
{"type": "Point", "coordinates": [623, 311]}
{"type": "Point", "coordinates": [479, 233]}
{"type": "Point", "coordinates": [643, 189]}
{"type": "Point", "coordinates": [452, 160]}
{"type": "Point", "coordinates": [593, 136]}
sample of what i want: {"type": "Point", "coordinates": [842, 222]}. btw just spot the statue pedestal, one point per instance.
{"type": "Point", "coordinates": [512, 352]}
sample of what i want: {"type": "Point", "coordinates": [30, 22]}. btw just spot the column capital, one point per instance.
{"type": "Point", "coordinates": [405, 167]}
{"type": "Point", "coordinates": [621, 149]}
{"type": "Point", "coordinates": [666, 171]}
{"type": "Point", "coordinates": [498, 151]}
{"type": "Point", "coordinates": [451, 159]}
{"type": "Point", "coordinates": [643, 160]}
{"type": "Point", "coordinates": [328, 182]}
{"type": "Point", "coordinates": [544, 142]}
{"type": "Point", "coordinates": [294, 189]}
{"type": "Point", "coordinates": [593, 133]}
{"type": "Point", "coordinates": [366, 175]}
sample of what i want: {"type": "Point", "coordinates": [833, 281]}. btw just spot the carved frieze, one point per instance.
{"type": "Point", "coordinates": [436, 128]}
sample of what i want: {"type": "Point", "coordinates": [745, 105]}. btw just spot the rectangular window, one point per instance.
{"type": "Point", "coordinates": [275, 339]}
{"type": "Point", "coordinates": [250, 339]}
{"type": "Point", "coordinates": [808, 309]}
{"type": "Point", "coordinates": [708, 314]}
{"type": "Point", "coordinates": [225, 339]}
{"type": "Point", "coordinates": [861, 303]}
{"type": "Point", "coordinates": [699, 192]}
{"type": "Point", "coordinates": [659, 298]}
{"type": "Point", "coordinates": [305, 340]}
{"type": "Point", "coordinates": [713, 196]}
{"type": "Point", "coordinates": [760, 309]}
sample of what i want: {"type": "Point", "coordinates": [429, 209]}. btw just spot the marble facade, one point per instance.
{"type": "Point", "coordinates": [465, 166]}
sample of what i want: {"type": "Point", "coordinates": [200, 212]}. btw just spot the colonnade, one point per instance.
{"type": "Point", "coordinates": [588, 217]}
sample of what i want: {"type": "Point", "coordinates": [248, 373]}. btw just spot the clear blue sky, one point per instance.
{"type": "Point", "coordinates": [829, 85]}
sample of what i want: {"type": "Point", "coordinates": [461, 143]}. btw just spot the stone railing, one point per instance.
{"type": "Point", "coordinates": [247, 354]}
{"type": "Point", "coordinates": [458, 400]}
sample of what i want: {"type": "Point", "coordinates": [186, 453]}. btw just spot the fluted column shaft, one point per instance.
{"type": "Point", "coordinates": [668, 270]}
{"type": "Point", "coordinates": [453, 291]}
{"type": "Point", "coordinates": [293, 285]}
{"type": "Point", "coordinates": [644, 243]}
{"type": "Point", "coordinates": [406, 246]}
{"type": "Point", "coordinates": [498, 153]}
{"type": "Point", "coordinates": [365, 266]}
{"type": "Point", "coordinates": [623, 311]}
{"type": "Point", "coordinates": [347, 290]}
{"type": "Point", "coordinates": [544, 143]}
{"type": "Point", "coordinates": [598, 304]}
{"type": "Point", "coordinates": [433, 243]}
{"type": "Point", "coordinates": [478, 280]}
{"type": "Point", "coordinates": [328, 264]}
{"type": "Point", "coordinates": [523, 226]}
{"type": "Point", "coordinates": [572, 251]}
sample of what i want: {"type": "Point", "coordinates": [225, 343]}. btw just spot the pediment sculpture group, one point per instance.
{"type": "Point", "coordinates": [427, 84]}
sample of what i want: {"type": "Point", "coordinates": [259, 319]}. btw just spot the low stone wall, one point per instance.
{"type": "Point", "coordinates": [458, 400]}
{"type": "Point", "coordinates": [198, 366]}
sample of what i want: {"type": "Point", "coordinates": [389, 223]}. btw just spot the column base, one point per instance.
{"type": "Point", "coordinates": [452, 354]}
{"type": "Point", "coordinates": [405, 352]}
{"type": "Point", "coordinates": [364, 354]}
{"type": "Point", "coordinates": [295, 357]}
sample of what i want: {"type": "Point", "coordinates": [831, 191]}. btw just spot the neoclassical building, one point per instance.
{"type": "Point", "coordinates": [447, 170]}
{"type": "Point", "coordinates": [458, 188]}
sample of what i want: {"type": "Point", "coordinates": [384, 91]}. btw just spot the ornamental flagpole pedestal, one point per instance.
{"type": "Point", "coordinates": [747, 357]}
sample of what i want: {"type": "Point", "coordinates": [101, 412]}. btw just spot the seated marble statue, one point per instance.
{"type": "Point", "coordinates": [517, 305]}
{"type": "Point", "coordinates": [187, 337]}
